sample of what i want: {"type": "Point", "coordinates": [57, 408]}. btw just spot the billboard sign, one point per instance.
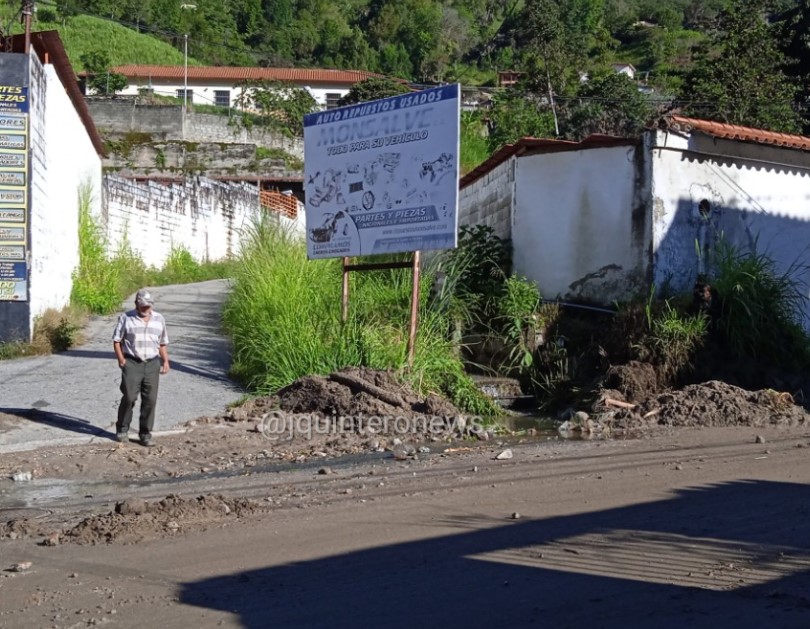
{"type": "Point", "coordinates": [13, 98]}
{"type": "Point", "coordinates": [13, 203]}
{"type": "Point", "coordinates": [382, 176]}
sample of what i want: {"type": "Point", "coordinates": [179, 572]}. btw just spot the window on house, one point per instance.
{"type": "Point", "coordinates": [189, 95]}
{"type": "Point", "coordinates": [222, 98]}
{"type": "Point", "coordinates": [332, 100]}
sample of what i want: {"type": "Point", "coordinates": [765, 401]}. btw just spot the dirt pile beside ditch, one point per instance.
{"type": "Point", "coordinates": [709, 404]}
{"type": "Point", "coordinates": [352, 410]}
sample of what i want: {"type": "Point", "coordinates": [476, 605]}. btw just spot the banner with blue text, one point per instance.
{"type": "Point", "coordinates": [382, 176]}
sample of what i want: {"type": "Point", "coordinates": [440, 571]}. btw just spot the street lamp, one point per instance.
{"type": "Point", "coordinates": [185, 5]}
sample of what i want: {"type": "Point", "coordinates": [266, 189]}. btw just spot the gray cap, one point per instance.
{"type": "Point", "coordinates": [144, 298]}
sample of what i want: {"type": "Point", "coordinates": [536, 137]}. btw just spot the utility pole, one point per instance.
{"type": "Point", "coordinates": [28, 12]}
{"type": "Point", "coordinates": [185, 81]}
{"type": "Point", "coordinates": [185, 5]}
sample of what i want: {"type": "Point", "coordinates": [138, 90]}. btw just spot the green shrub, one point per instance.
{"type": "Point", "coordinates": [672, 338]}
{"type": "Point", "coordinates": [517, 319]}
{"type": "Point", "coordinates": [760, 307]}
{"type": "Point", "coordinates": [96, 280]}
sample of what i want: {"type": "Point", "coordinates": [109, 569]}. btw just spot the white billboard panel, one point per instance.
{"type": "Point", "coordinates": [382, 176]}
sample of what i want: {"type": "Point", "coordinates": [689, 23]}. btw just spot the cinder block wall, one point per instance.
{"type": "Point", "coordinates": [489, 200]}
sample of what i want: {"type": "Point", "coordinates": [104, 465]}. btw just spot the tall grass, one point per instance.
{"type": "Point", "coordinates": [761, 307]}
{"type": "Point", "coordinates": [284, 316]}
{"type": "Point", "coordinates": [474, 142]}
{"type": "Point", "coordinates": [101, 281]}
{"type": "Point", "coordinates": [96, 281]}
{"type": "Point", "coordinates": [673, 337]}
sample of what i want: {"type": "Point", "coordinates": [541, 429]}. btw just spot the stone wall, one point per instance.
{"type": "Point", "coordinates": [170, 160]}
{"type": "Point", "coordinates": [165, 122]}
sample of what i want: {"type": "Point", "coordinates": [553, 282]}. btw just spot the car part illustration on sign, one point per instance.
{"type": "Point", "coordinates": [329, 228]}
{"type": "Point", "coordinates": [327, 187]}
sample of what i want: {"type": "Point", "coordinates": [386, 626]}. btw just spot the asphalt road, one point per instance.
{"type": "Point", "coordinates": [73, 397]}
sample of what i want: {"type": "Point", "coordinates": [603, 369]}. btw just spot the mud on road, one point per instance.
{"type": "Point", "coordinates": [684, 527]}
{"type": "Point", "coordinates": [699, 520]}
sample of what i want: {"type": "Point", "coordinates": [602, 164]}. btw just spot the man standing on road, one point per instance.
{"type": "Point", "coordinates": [140, 340]}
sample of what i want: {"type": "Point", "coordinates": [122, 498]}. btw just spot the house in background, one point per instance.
{"type": "Point", "coordinates": [604, 219]}
{"type": "Point", "coordinates": [624, 68]}
{"type": "Point", "coordinates": [508, 78]}
{"type": "Point", "coordinates": [50, 165]}
{"type": "Point", "coordinates": [221, 86]}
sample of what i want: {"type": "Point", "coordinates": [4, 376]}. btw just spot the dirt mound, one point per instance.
{"type": "Point", "coordinates": [352, 410]}
{"type": "Point", "coordinates": [636, 380]}
{"type": "Point", "coordinates": [716, 403]}
{"type": "Point", "coordinates": [134, 520]}
{"type": "Point", "coordinates": [359, 391]}
{"type": "Point", "coordinates": [20, 529]}
{"type": "Point", "coordinates": [710, 404]}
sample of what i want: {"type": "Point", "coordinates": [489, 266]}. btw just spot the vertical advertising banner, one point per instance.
{"type": "Point", "coordinates": [382, 176]}
{"type": "Point", "coordinates": [13, 196]}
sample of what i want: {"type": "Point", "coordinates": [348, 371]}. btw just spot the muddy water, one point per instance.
{"type": "Point", "coordinates": [70, 494]}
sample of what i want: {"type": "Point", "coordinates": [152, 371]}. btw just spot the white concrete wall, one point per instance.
{"type": "Point", "coordinates": [63, 162]}
{"type": "Point", "coordinates": [759, 198]}
{"type": "Point", "coordinates": [488, 200]}
{"type": "Point", "coordinates": [580, 227]}
{"type": "Point", "coordinates": [203, 93]}
{"type": "Point", "coordinates": [203, 216]}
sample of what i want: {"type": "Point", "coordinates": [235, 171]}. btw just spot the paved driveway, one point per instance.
{"type": "Point", "coordinates": [73, 396]}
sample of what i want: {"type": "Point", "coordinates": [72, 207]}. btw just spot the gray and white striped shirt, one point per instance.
{"type": "Point", "coordinates": [138, 338]}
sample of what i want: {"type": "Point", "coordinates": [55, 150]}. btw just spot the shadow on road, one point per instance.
{"type": "Point", "coordinates": [214, 372]}
{"type": "Point", "coordinates": [59, 420]}
{"type": "Point", "coordinates": [734, 554]}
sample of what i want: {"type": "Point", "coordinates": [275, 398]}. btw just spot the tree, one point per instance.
{"type": "Point", "coordinates": [372, 89]}
{"type": "Point", "coordinates": [99, 76]}
{"type": "Point", "coordinates": [279, 105]}
{"type": "Point", "coordinates": [517, 114]}
{"type": "Point", "coordinates": [737, 76]}
{"type": "Point", "coordinates": [608, 103]}
{"type": "Point", "coordinates": [793, 37]}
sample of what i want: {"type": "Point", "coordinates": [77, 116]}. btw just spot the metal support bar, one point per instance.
{"type": "Point", "coordinates": [381, 266]}
{"type": "Point", "coordinates": [414, 310]}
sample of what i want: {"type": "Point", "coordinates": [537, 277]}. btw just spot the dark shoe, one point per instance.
{"type": "Point", "coordinates": [122, 437]}
{"type": "Point", "coordinates": [146, 441]}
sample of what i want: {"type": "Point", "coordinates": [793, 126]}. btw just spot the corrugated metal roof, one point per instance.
{"type": "Point", "coordinates": [49, 48]}
{"type": "Point", "coordinates": [232, 73]}
{"type": "Point", "coordinates": [533, 146]}
{"type": "Point", "coordinates": [736, 132]}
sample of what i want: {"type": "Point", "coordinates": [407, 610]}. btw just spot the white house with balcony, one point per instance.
{"type": "Point", "coordinates": [222, 85]}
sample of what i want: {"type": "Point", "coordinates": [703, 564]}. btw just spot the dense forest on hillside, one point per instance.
{"type": "Point", "coordinates": [742, 61]}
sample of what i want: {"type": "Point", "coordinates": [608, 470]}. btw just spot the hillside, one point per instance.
{"type": "Point", "coordinates": [82, 34]}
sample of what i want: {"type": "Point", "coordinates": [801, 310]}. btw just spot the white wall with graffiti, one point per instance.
{"type": "Point", "coordinates": [751, 196]}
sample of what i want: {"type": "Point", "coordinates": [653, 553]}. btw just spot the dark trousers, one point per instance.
{"type": "Point", "coordinates": [138, 378]}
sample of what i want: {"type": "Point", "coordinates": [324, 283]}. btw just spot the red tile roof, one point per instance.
{"type": "Point", "coordinates": [736, 132]}
{"type": "Point", "coordinates": [533, 146]}
{"type": "Point", "coordinates": [232, 73]}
